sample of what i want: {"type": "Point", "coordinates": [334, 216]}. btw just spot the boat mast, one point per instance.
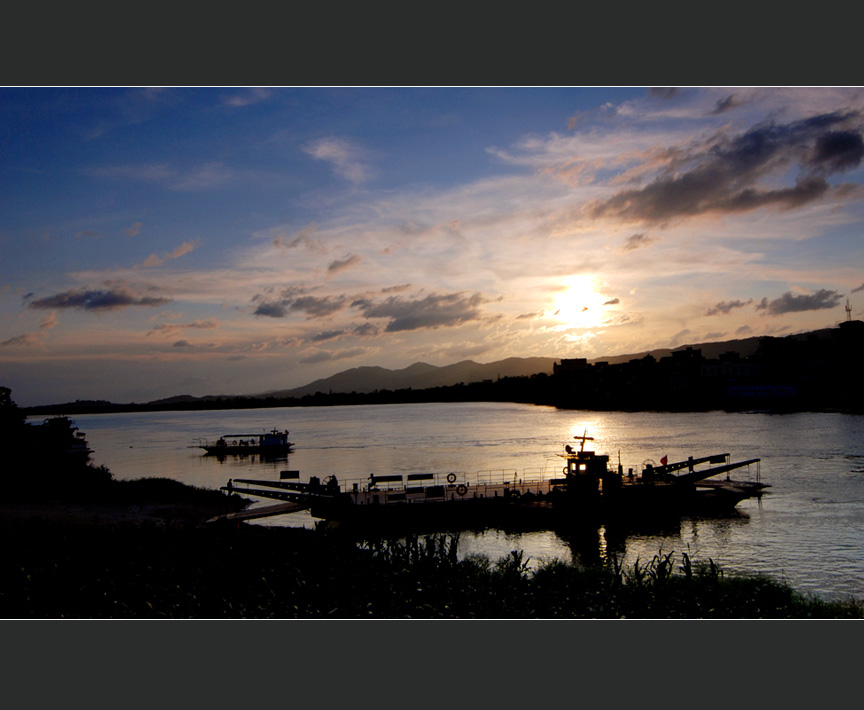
{"type": "Point", "coordinates": [583, 439]}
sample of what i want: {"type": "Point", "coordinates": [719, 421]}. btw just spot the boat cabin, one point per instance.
{"type": "Point", "coordinates": [585, 463]}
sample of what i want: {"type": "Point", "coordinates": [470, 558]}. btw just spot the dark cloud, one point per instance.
{"type": "Point", "coordinates": [316, 307]}
{"type": "Point", "coordinates": [612, 302]}
{"type": "Point", "coordinates": [637, 241]}
{"type": "Point", "coordinates": [182, 344]}
{"type": "Point", "coordinates": [346, 263]}
{"type": "Point", "coordinates": [98, 300]}
{"type": "Point", "coordinates": [743, 330]}
{"type": "Point", "coordinates": [663, 92]}
{"type": "Point", "coordinates": [837, 151]}
{"type": "Point", "coordinates": [171, 328]}
{"type": "Point", "coordinates": [366, 330]}
{"type": "Point", "coordinates": [434, 311]}
{"type": "Point", "coordinates": [726, 306]}
{"type": "Point", "coordinates": [271, 310]}
{"type": "Point", "coordinates": [726, 104]}
{"type": "Point", "coordinates": [724, 174]}
{"type": "Point", "coordinates": [312, 306]}
{"type": "Point", "coordinates": [860, 288]}
{"type": "Point", "coordinates": [790, 303]}
{"type": "Point", "coordinates": [27, 339]}
{"type": "Point", "coordinates": [327, 335]}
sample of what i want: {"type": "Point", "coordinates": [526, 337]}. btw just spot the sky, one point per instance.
{"type": "Point", "coordinates": [237, 240]}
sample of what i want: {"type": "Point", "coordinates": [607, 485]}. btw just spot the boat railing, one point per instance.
{"type": "Point", "coordinates": [535, 480]}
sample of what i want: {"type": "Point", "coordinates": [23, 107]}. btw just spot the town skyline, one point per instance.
{"type": "Point", "coordinates": [245, 239]}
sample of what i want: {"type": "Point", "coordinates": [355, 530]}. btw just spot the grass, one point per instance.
{"type": "Point", "coordinates": [54, 570]}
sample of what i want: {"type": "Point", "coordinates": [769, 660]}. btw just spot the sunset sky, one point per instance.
{"type": "Point", "coordinates": [164, 241]}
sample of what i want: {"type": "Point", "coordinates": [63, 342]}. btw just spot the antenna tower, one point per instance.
{"type": "Point", "coordinates": [848, 311]}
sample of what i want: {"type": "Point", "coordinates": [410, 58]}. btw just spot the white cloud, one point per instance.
{"type": "Point", "coordinates": [348, 160]}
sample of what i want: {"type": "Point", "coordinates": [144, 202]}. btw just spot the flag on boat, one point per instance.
{"type": "Point", "coordinates": [664, 460]}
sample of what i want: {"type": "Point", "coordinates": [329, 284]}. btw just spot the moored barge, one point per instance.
{"type": "Point", "coordinates": [587, 488]}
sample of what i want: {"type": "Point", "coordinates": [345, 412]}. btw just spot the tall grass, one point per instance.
{"type": "Point", "coordinates": [59, 570]}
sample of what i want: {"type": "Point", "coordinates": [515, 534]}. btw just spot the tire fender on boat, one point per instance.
{"type": "Point", "coordinates": [461, 489]}
{"type": "Point", "coordinates": [451, 478]}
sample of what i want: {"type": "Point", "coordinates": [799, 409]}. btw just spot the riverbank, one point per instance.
{"type": "Point", "coordinates": [70, 569]}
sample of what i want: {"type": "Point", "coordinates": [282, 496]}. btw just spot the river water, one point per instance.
{"type": "Point", "coordinates": [806, 530]}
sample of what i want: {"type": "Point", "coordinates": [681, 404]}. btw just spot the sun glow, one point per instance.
{"type": "Point", "coordinates": [579, 305]}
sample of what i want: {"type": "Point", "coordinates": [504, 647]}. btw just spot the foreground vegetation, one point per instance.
{"type": "Point", "coordinates": [53, 570]}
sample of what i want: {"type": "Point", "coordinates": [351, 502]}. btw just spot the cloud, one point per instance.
{"type": "Point", "coordinates": [637, 241]}
{"type": "Point", "coordinates": [172, 328]}
{"type": "Point", "coordinates": [679, 336]}
{"type": "Point", "coordinates": [98, 300]}
{"type": "Point", "coordinates": [366, 330]}
{"type": "Point", "coordinates": [182, 344]}
{"type": "Point", "coordinates": [727, 174]}
{"type": "Point", "coordinates": [612, 302]}
{"type": "Point", "coordinates": [341, 265]}
{"type": "Point", "coordinates": [312, 306]}
{"type": "Point", "coordinates": [327, 335]}
{"type": "Point", "coordinates": [184, 248]}
{"type": "Point", "coordinates": [317, 307]}
{"type": "Point", "coordinates": [206, 177]}
{"type": "Point", "coordinates": [860, 288]}
{"type": "Point", "coordinates": [346, 158]}
{"type": "Point", "coordinates": [151, 172]}
{"type": "Point", "coordinates": [725, 307]}
{"type": "Point", "coordinates": [326, 356]}
{"type": "Point", "coordinates": [727, 104]}
{"type": "Point", "coordinates": [305, 238]}
{"type": "Point", "coordinates": [86, 233]}
{"type": "Point", "coordinates": [663, 92]}
{"type": "Point", "coordinates": [209, 176]}
{"type": "Point", "coordinates": [434, 311]}
{"type": "Point", "coordinates": [133, 231]}
{"type": "Point", "coordinates": [49, 321]}
{"type": "Point", "coordinates": [252, 96]}
{"type": "Point", "coordinates": [790, 303]}
{"type": "Point", "coordinates": [27, 340]}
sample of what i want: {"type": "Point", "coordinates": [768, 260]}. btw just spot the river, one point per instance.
{"type": "Point", "coordinates": [807, 530]}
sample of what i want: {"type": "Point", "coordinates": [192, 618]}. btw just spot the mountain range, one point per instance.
{"type": "Point", "coordinates": [421, 375]}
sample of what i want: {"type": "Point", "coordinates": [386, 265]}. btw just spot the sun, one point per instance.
{"type": "Point", "coordinates": [579, 304]}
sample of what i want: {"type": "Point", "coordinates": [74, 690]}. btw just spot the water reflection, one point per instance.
{"type": "Point", "coordinates": [807, 529]}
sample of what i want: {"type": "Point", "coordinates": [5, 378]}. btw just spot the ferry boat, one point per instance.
{"type": "Point", "coordinates": [272, 443]}
{"type": "Point", "coordinates": [586, 488]}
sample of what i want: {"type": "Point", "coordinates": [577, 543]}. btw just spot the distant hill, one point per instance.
{"type": "Point", "coordinates": [420, 375]}
{"type": "Point", "coordinates": [745, 347]}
